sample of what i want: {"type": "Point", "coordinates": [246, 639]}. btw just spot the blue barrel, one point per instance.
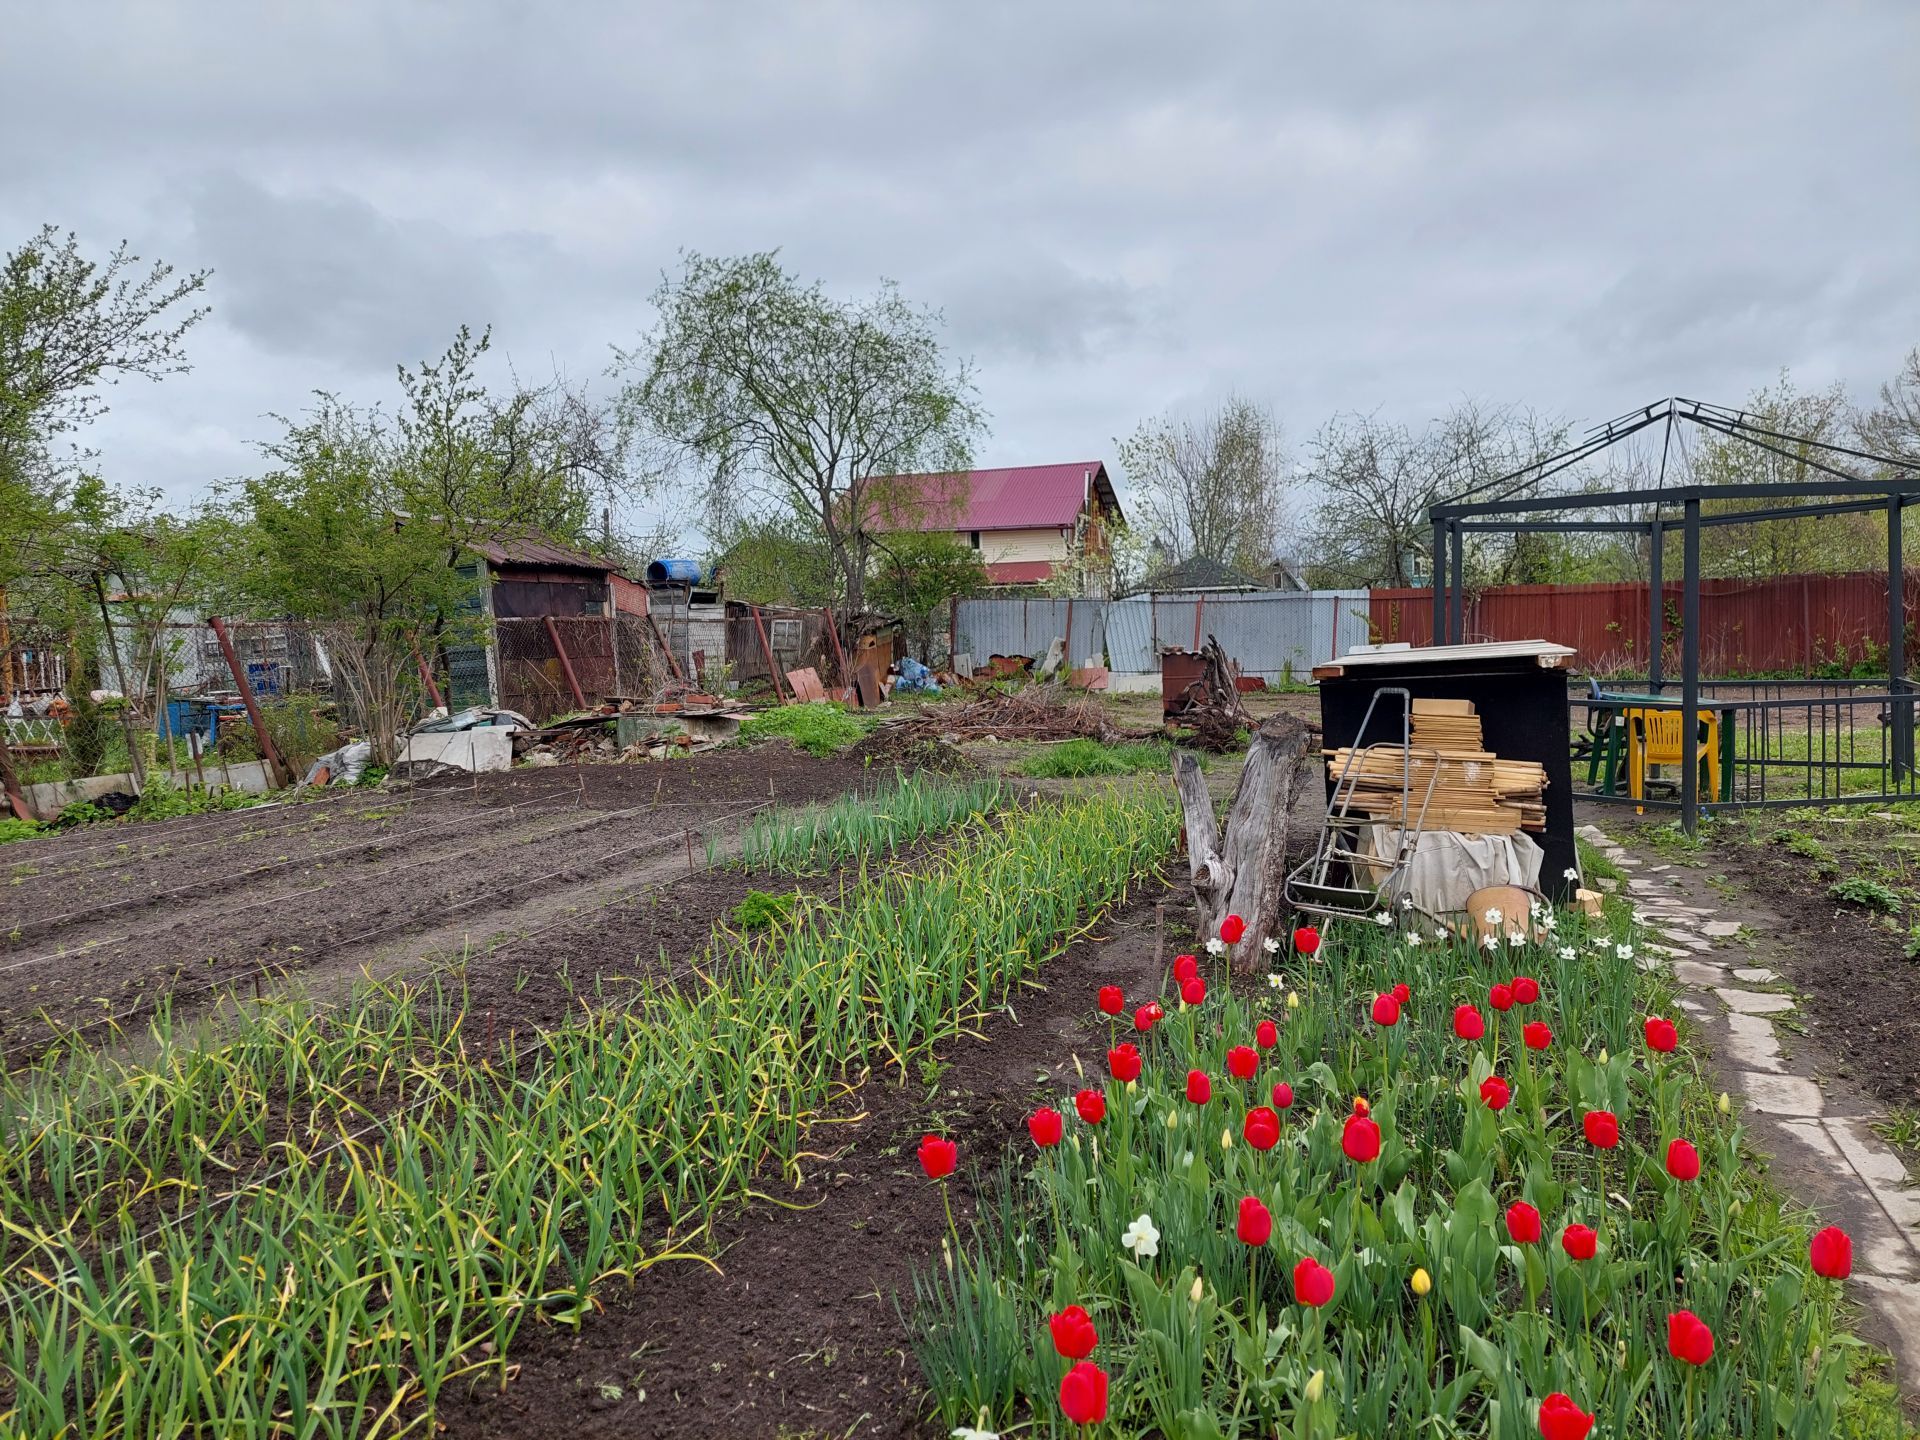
{"type": "Point", "coordinates": [673, 572]}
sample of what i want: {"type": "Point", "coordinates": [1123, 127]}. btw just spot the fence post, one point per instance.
{"type": "Point", "coordinates": [566, 663]}
{"type": "Point", "coordinates": [1902, 716]}
{"type": "Point", "coordinates": [1690, 674]}
{"type": "Point", "coordinates": [276, 767]}
{"type": "Point", "coordinates": [1657, 603]}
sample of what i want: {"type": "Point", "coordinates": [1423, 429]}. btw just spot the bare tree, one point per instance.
{"type": "Point", "coordinates": [1214, 487]}
{"type": "Point", "coordinates": [1377, 479]}
{"type": "Point", "coordinates": [1893, 426]}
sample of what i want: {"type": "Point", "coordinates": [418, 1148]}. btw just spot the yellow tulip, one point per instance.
{"type": "Point", "coordinates": [1316, 1386]}
{"type": "Point", "coordinates": [1422, 1282]}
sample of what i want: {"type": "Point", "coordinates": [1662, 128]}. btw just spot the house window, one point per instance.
{"type": "Point", "coordinates": [973, 538]}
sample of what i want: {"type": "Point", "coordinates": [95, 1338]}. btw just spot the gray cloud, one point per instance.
{"type": "Point", "coordinates": [1121, 207]}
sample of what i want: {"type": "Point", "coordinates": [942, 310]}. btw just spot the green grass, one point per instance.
{"type": "Point", "coordinates": [1594, 865]}
{"type": "Point", "coordinates": [1206, 1337]}
{"type": "Point", "coordinates": [390, 1250]}
{"type": "Point", "coordinates": [819, 728]}
{"type": "Point", "coordinates": [1078, 759]}
{"type": "Point", "coordinates": [853, 827]}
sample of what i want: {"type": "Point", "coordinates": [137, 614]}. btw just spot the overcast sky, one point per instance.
{"type": "Point", "coordinates": [1122, 209]}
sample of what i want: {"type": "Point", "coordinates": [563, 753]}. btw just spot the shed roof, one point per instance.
{"type": "Point", "coordinates": [1201, 572]}
{"type": "Point", "coordinates": [529, 547]}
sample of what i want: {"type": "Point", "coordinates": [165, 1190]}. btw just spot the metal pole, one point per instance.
{"type": "Point", "coordinates": [1458, 619]}
{"type": "Point", "coordinates": [1657, 605]}
{"type": "Point", "coordinates": [773, 665]}
{"type": "Point", "coordinates": [1690, 675]}
{"type": "Point", "coordinates": [1902, 716]}
{"type": "Point", "coordinates": [276, 767]}
{"type": "Point", "coordinates": [1439, 582]}
{"type": "Point", "coordinates": [566, 663]}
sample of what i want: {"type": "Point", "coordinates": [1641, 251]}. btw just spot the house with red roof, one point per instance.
{"type": "Point", "coordinates": [1027, 522]}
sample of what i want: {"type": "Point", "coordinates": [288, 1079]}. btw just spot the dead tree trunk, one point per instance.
{"type": "Point", "coordinates": [1243, 872]}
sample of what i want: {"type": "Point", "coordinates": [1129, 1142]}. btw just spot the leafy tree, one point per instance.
{"type": "Point", "coordinates": [68, 326]}
{"type": "Point", "coordinates": [789, 399]}
{"type": "Point", "coordinates": [777, 560]}
{"type": "Point", "coordinates": [1215, 487]}
{"type": "Point", "coordinates": [918, 574]}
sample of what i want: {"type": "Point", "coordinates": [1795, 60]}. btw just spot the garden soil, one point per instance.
{"type": "Point", "coordinates": [798, 1331]}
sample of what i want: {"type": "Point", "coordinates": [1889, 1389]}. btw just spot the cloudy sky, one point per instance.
{"type": "Point", "coordinates": [1121, 208]}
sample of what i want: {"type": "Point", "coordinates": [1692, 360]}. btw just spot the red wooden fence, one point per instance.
{"type": "Point", "coordinates": [1790, 625]}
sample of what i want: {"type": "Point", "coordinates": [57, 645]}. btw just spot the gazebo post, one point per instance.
{"type": "Point", "coordinates": [1902, 717]}
{"type": "Point", "coordinates": [1458, 619]}
{"type": "Point", "coordinates": [1439, 582]}
{"type": "Point", "coordinates": [1690, 673]}
{"type": "Point", "coordinates": [1656, 606]}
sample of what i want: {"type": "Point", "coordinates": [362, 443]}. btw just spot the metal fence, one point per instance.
{"type": "Point", "coordinates": [1273, 634]}
{"type": "Point", "coordinates": [608, 655]}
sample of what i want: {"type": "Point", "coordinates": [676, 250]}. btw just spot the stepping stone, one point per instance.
{"type": "Point", "coordinates": [1754, 974]}
{"type": "Point", "coordinates": [1591, 833]}
{"type": "Point", "coordinates": [1608, 884]}
{"type": "Point", "coordinates": [1667, 950]}
{"type": "Point", "coordinates": [1641, 887]}
{"type": "Point", "coordinates": [1879, 1167]}
{"type": "Point", "coordinates": [1659, 869]}
{"type": "Point", "coordinates": [1648, 962]}
{"type": "Point", "coordinates": [1692, 1007]}
{"type": "Point", "coordinates": [1721, 929]}
{"type": "Point", "coordinates": [1692, 972]}
{"type": "Point", "coordinates": [1781, 1094]}
{"type": "Point", "coordinates": [1755, 1002]}
{"type": "Point", "coordinates": [1752, 1043]}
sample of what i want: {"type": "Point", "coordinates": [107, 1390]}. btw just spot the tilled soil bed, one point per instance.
{"type": "Point", "coordinates": [798, 1330]}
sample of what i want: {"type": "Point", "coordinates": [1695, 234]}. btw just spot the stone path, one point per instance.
{"type": "Point", "coordinates": [1813, 1130]}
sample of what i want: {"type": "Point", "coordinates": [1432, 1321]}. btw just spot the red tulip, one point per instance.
{"type": "Point", "coordinates": [1312, 1283]}
{"type": "Point", "coordinates": [1193, 991]}
{"type": "Point", "coordinates": [1360, 1106]}
{"type": "Point", "coordinates": [1073, 1333]}
{"type": "Point", "coordinates": [1199, 1087]}
{"type": "Point", "coordinates": [1306, 940]}
{"type": "Point", "coordinates": [1185, 967]}
{"type": "Point", "coordinates": [1661, 1035]}
{"type": "Point", "coordinates": [1500, 997]}
{"type": "Point", "coordinates": [1256, 1222]}
{"type": "Point", "coordinates": [1266, 1034]}
{"type": "Point", "coordinates": [1386, 1010]}
{"type": "Point", "coordinates": [1579, 1241]}
{"type": "Point", "coordinates": [1242, 1061]}
{"type": "Point", "coordinates": [1262, 1128]}
{"type": "Point", "coordinates": [1688, 1338]}
{"type": "Point", "coordinates": [1403, 992]}
{"type": "Point", "coordinates": [1360, 1139]}
{"type": "Point", "coordinates": [1683, 1161]}
{"type": "Point", "coordinates": [1044, 1125]}
{"type": "Point", "coordinates": [1282, 1095]}
{"type": "Point", "coordinates": [1124, 1062]}
{"type": "Point", "coordinates": [1092, 1106]}
{"type": "Point", "coordinates": [1526, 990]}
{"type": "Point", "coordinates": [1147, 1016]}
{"type": "Point", "coordinates": [1561, 1419]}
{"type": "Point", "coordinates": [937, 1156]}
{"type": "Point", "coordinates": [1523, 1223]}
{"type": "Point", "coordinates": [1537, 1035]}
{"type": "Point", "coordinates": [1832, 1253]}
{"type": "Point", "coordinates": [1083, 1394]}
{"type": "Point", "coordinates": [1495, 1093]}
{"type": "Point", "coordinates": [1467, 1022]}
{"type": "Point", "coordinates": [1112, 999]}
{"type": "Point", "coordinates": [1232, 928]}
{"type": "Point", "coordinates": [1603, 1129]}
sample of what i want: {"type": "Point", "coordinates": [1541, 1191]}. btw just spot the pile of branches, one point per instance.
{"type": "Point", "coordinates": [1038, 713]}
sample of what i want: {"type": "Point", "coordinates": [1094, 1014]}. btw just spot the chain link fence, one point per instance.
{"type": "Point", "coordinates": [611, 657]}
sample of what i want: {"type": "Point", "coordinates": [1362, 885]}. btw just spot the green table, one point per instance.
{"type": "Point", "coordinates": [1607, 760]}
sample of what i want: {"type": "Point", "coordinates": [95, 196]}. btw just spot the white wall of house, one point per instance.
{"type": "Point", "coordinates": [1004, 547]}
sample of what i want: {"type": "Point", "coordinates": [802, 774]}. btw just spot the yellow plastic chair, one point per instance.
{"type": "Point", "coordinates": [1655, 737]}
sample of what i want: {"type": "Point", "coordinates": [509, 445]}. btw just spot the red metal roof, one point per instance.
{"type": "Point", "coordinates": [1019, 572]}
{"type": "Point", "coordinates": [1020, 497]}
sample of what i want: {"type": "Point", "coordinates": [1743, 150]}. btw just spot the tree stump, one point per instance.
{"type": "Point", "coordinates": [1242, 871]}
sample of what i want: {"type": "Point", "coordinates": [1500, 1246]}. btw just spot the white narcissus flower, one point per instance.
{"type": "Point", "coordinates": [1413, 937]}
{"type": "Point", "coordinates": [1566, 952]}
{"type": "Point", "coordinates": [976, 1432]}
{"type": "Point", "coordinates": [1515, 939]}
{"type": "Point", "coordinates": [1270, 945]}
{"type": "Point", "coordinates": [1493, 916]}
{"type": "Point", "coordinates": [1382, 918]}
{"type": "Point", "coordinates": [1141, 1238]}
{"type": "Point", "coordinates": [1488, 942]}
{"type": "Point", "coordinates": [1625, 952]}
{"type": "Point", "coordinates": [1569, 873]}
{"type": "Point", "coordinates": [1216, 946]}
{"type": "Point", "coordinates": [1275, 980]}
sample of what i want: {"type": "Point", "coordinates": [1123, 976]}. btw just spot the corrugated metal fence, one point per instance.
{"type": "Point", "coordinates": [1271, 634]}
{"type": "Point", "coordinates": [1800, 624]}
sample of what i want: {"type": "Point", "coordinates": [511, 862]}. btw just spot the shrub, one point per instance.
{"type": "Point", "coordinates": [759, 910]}
{"type": "Point", "coordinates": [819, 727]}
{"type": "Point", "coordinates": [1858, 890]}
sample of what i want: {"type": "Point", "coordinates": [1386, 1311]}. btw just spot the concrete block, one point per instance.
{"type": "Point", "coordinates": [1781, 1094]}
{"type": "Point", "coordinates": [1755, 1002]}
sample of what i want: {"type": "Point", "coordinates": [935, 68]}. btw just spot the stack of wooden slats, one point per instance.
{"type": "Point", "coordinates": [1476, 792]}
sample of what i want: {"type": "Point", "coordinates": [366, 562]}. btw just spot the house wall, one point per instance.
{"type": "Point", "coordinates": [999, 547]}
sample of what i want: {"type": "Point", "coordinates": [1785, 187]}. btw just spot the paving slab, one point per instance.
{"type": "Point", "coordinates": [1755, 974]}
{"type": "Point", "coordinates": [1721, 929]}
{"type": "Point", "coordinates": [1755, 1002]}
{"type": "Point", "coordinates": [1693, 972]}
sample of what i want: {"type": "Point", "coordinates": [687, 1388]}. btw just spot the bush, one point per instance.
{"type": "Point", "coordinates": [1076, 759]}
{"type": "Point", "coordinates": [12, 829]}
{"type": "Point", "coordinates": [760, 910]}
{"type": "Point", "coordinates": [819, 727]}
{"type": "Point", "coordinates": [1858, 890]}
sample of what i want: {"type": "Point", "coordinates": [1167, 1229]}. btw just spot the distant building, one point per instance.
{"type": "Point", "coordinates": [1028, 522]}
{"type": "Point", "coordinates": [1201, 574]}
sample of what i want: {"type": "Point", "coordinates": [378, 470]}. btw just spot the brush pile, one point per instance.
{"type": "Point", "coordinates": [1037, 713]}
